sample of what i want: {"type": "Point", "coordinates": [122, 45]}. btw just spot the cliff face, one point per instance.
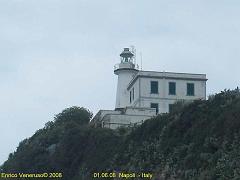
{"type": "Point", "coordinates": [196, 141]}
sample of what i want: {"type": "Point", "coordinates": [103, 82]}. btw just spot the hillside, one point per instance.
{"type": "Point", "coordinates": [200, 140]}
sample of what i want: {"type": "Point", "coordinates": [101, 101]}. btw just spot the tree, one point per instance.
{"type": "Point", "coordinates": [75, 114]}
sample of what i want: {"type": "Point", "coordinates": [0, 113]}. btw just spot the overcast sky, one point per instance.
{"type": "Point", "coordinates": [59, 53]}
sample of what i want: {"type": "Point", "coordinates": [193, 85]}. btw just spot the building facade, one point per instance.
{"type": "Point", "coordinates": [144, 94]}
{"type": "Point", "coordinates": [162, 89]}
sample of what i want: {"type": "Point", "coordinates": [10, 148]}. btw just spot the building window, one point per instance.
{"type": "Point", "coordinates": [154, 87]}
{"type": "Point", "coordinates": [190, 89]}
{"type": "Point", "coordinates": [130, 97]}
{"type": "Point", "coordinates": [155, 105]}
{"type": "Point", "coordinates": [170, 108]}
{"type": "Point", "coordinates": [172, 88]}
{"type": "Point", "coordinates": [133, 94]}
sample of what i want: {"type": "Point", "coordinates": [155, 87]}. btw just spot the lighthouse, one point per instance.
{"type": "Point", "coordinates": [125, 71]}
{"type": "Point", "coordinates": [142, 94]}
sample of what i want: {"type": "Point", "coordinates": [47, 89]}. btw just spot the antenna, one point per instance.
{"type": "Point", "coordinates": [134, 52]}
{"type": "Point", "coordinates": [141, 60]}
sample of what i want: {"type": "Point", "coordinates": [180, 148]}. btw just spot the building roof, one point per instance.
{"type": "Point", "coordinates": [167, 75]}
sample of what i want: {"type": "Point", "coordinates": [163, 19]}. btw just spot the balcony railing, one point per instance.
{"type": "Point", "coordinates": [126, 65]}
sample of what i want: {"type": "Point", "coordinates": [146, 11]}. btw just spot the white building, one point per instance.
{"type": "Point", "coordinates": [143, 94]}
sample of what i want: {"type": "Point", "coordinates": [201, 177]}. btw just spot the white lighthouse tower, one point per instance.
{"type": "Point", "coordinates": [125, 71]}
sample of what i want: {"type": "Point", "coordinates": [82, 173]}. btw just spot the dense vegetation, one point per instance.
{"type": "Point", "coordinates": [200, 140]}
